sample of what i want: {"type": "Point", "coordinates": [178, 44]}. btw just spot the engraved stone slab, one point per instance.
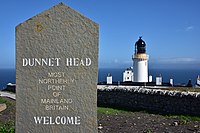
{"type": "Point", "coordinates": [56, 73]}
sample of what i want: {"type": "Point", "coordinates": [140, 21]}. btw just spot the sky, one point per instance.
{"type": "Point", "coordinates": [170, 28]}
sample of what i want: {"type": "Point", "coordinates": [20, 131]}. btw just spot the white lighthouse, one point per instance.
{"type": "Point", "coordinates": [140, 62]}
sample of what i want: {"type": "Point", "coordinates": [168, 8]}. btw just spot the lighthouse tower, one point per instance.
{"type": "Point", "coordinates": [140, 62]}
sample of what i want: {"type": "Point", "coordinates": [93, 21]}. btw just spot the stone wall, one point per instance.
{"type": "Point", "coordinates": [161, 101]}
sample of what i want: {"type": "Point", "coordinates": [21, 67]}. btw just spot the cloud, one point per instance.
{"type": "Point", "coordinates": [116, 61]}
{"type": "Point", "coordinates": [186, 29]}
{"type": "Point", "coordinates": [176, 60]}
{"type": "Point", "coordinates": [180, 62]}
{"type": "Point", "coordinates": [128, 62]}
{"type": "Point", "coordinates": [189, 28]}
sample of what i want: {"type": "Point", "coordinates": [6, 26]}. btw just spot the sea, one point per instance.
{"type": "Point", "coordinates": [180, 76]}
{"type": "Point", "coordinates": [6, 76]}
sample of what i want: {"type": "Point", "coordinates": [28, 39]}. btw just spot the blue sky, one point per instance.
{"type": "Point", "coordinates": [170, 28]}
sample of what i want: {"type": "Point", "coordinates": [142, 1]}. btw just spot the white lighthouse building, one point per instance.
{"type": "Point", "coordinates": [128, 75]}
{"type": "Point", "coordinates": [140, 62]}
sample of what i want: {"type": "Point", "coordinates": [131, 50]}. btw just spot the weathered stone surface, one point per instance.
{"type": "Point", "coordinates": [57, 93]}
{"type": "Point", "coordinates": [162, 101]}
{"type": "Point", "coordinates": [2, 107]}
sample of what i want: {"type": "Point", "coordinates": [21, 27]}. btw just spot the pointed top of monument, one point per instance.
{"type": "Point", "coordinates": [57, 11]}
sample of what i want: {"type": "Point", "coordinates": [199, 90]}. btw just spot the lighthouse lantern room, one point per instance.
{"type": "Point", "coordinates": [140, 62]}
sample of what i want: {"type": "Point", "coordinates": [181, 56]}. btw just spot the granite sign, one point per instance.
{"type": "Point", "coordinates": [56, 73]}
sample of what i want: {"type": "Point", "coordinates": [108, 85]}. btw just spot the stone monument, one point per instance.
{"type": "Point", "coordinates": [56, 73]}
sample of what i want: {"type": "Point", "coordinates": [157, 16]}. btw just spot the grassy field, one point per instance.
{"type": "Point", "coordinates": [109, 111]}
{"type": "Point", "coordinates": [6, 123]}
{"type": "Point", "coordinates": [112, 111]}
{"type": "Point", "coordinates": [149, 122]}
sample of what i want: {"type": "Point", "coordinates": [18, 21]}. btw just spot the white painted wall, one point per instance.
{"type": "Point", "coordinates": [150, 78]}
{"type": "Point", "coordinates": [159, 80]}
{"type": "Point", "coordinates": [128, 75]}
{"type": "Point", "coordinates": [171, 81]}
{"type": "Point", "coordinates": [109, 79]}
{"type": "Point", "coordinates": [140, 70]}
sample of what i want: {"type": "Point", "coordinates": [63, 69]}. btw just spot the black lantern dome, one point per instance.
{"type": "Point", "coordinates": [140, 46]}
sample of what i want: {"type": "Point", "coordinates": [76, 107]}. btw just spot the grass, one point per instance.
{"type": "Point", "coordinates": [7, 127]}
{"type": "Point", "coordinates": [148, 131]}
{"type": "Point", "coordinates": [3, 100]}
{"type": "Point", "coordinates": [113, 111]}
{"type": "Point", "coordinates": [184, 118]}
{"type": "Point", "coordinates": [109, 111]}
